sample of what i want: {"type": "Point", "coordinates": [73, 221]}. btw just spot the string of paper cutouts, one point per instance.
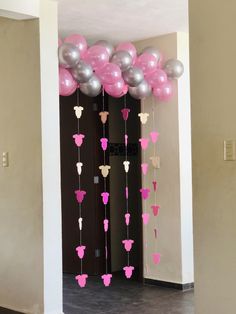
{"type": "Point", "coordinates": [80, 194]}
{"type": "Point", "coordinates": [128, 243]}
{"type": "Point", "coordinates": [145, 191]}
{"type": "Point", "coordinates": [105, 194]}
{"type": "Point", "coordinates": [155, 160]}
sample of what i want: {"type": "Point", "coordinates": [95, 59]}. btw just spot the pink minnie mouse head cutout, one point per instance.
{"type": "Point", "coordinates": [78, 139]}
{"type": "Point", "coordinates": [128, 271]}
{"type": "Point", "coordinates": [128, 244]}
{"type": "Point", "coordinates": [106, 279]}
{"type": "Point", "coordinates": [82, 280]}
{"type": "Point", "coordinates": [80, 195]}
{"type": "Point", "coordinates": [80, 251]}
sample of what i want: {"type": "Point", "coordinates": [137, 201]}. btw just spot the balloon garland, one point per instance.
{"type": "Point", "coordinates": [116, 71]}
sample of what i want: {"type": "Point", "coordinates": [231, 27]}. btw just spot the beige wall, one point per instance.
{"type": "Point", "coordinates": [174, 222]}
{"type": "Point", "coordinates": [212, 55]}
{"type": "Point", "coordinates": [21, 262]}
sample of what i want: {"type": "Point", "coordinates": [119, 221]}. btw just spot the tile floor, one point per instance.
{"type": "Point", "coordinates": [124, 296]}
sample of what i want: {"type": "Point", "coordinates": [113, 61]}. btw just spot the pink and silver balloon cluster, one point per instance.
{"type": "Point", "coordinates": [118, 70]}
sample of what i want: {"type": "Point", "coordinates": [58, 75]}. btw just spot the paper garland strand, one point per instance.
{"type": "Point", "coordinates": [80, 194]}
{"type": "Point", "coordinates": [128, 269]}
{"type": "Point", "coordinates": [155, 163]}
{"type": "Point", "coordinates": [105, 195]}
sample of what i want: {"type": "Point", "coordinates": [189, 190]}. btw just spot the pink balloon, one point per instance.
{"type": "Point", "coordinates": [67, 84]}
{"type": "Point", "coordinates": [97, 56]}
{"type": "Point", "coordinates": [163, 92]}
{"type": "Point", "coordinates": [147, 62]}
{"type": "Point", "coordinates": [117, 90]}
{"type": "Point", "coordinates": [157, 78]}
{"type": "Point", "coordinates": [129, 47]}
{"type": "Point", "coordinates": [59, 42]}
{"type": "Point", "coordinates": [79, 41]}
{"type": "Point", "coordinates": [161, 61]}
{"type": "Point", "coordinates": [109, 74]}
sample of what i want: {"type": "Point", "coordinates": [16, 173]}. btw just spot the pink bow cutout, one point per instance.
{"type": "Point", "coordinates": [128, 244]}
{"type": "Point", "coordinates": [144, 143]}
{"type": "Point", "coordinates": [104, 142]}
{"type": "Point", "coordinates": [145, 193]}
{"type": "Point", "coordinates": [154, 136]}
{"type": "Point", "coordinates": [105, 197]}
{"type": "Point", "coordinates": [125, 113]}
{"type": "Point", "coordinates": [128, 271]}
{"type": "Point", "coordinates": [81, 280]}
{"type": "Point", "coordinates": [80, 251]}
{"type": "Point", "coordinates": [78, 139]}
{"type": "Point", "coordinates": [145, 217]}
{"type": "Point", "coordinates": [106, 279]}
{"type": "Point", "coordinates": [80, 195]}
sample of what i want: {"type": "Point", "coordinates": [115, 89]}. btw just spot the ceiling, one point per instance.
{"type": "Point", "coordinates": [122, 20]}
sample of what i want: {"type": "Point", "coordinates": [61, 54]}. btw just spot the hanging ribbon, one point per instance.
{"type": "Point", "coordinates": [80, 194]}
{"type": "Point", "coordinates": [128, 243]}
{"type": "Point", "coordinates": [105, 195]}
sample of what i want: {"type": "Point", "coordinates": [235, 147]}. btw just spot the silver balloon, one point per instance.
{"type": "Point", "coordinates": [105, 44]}
{"type": "Point", "coordinates": [174, 68]}
{"type": "Point", "coordinates": [82, 72]}
{"type": "Point", "coordinates": [91, 88]}
{"type": "Point", "coordinates": [68, 55]}
{"type": "Point", "coordinates": [143, 90]}
{"type": "Point", "coordinates": [123, 59]}
{"type": "Point", "coordinates": [133, 76]}
{"type": "Point", "coordinates": [153, 51]}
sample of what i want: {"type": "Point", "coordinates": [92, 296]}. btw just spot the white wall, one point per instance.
{"type": "Point", "coordinates": [174, 177]}
{"type": "Point", "coordinates": [31, 267]}
{"type": "Point", "coordinates": [213, 63]}
{"type": "Point", "coordinates": [23, 9]}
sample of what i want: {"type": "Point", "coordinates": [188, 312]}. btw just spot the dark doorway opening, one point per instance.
{"type": "Point", "coordinates": [92, 183]}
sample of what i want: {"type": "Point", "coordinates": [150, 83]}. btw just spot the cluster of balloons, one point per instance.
{"type": "Point", "coordinates": [117, 69]}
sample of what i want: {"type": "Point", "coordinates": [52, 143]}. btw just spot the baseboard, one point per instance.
{"type": "Point", "coordinates": [166, 284]}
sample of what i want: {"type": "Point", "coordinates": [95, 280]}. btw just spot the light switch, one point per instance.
{"type": "Point", "coordinates": [5, 159]}
{"type": "Point", "coordinates": [229, 150]}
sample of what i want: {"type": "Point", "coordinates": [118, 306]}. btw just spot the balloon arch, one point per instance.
{"type": "Point", "coordinates": [117, 71]}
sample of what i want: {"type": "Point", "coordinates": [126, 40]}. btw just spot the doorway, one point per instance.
{"type": "Point", "coordinates": [92, 183]}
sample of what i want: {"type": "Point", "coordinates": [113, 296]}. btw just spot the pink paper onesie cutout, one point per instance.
{"type": "Point", "coordinates": [80, 251]}
{"type": "Point", "coordinates": [128, 244]}
{"type": "Point", "coordinates": [145, 193]}
{"type": "Point", "coordinates": [144, 168]}
{"type": "Point", "coordinates": [154, 136]}
{"type": "Point", "coordinates": [145, 217]}
{"type": "Point", "coordinates": [105, 197]}
{"type": "Point", "coordinates": [106, 224]}
{"type": "Point", "coordinates": [81, 280]}
{"type": "Point", "coordinates": [125, 113]}
{"type": "Point", "coordinates": [80, 195]}
{"type": "Point", "coordinates": [127, 219]}
{"type": "Point", "coordinates": [78, 139]}
{"type": "Point", "coordinates": [104, 142]}
{"type": "Point", "coordinates": [106, 279]}
{"type": "Point", "coordinates": [144, 142]}
{"type": "Point", "coordinates": [156, 258]}
{"type": "Point", "coordinates": [155, 209]}
{"type": "Point", "coordinates": [128, 271]}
